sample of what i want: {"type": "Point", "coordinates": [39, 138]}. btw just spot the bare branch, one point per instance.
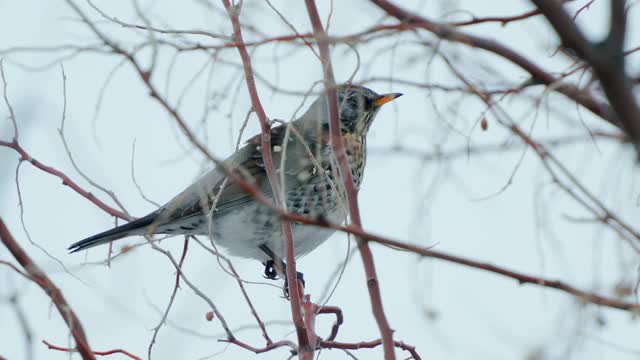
{"type": "Point", "coordinates": [428, 252]}
{"type": "Point", "coordinates": [153, 29]}
{"type": "Point", "coordinates": [340, 153]}
{"type": "Point", "coordinates": [306, 351]}
{"type": "Point", "coordinates": [24, 156]}
{"type": "Point", "coordinates": [503, 20]}
{"type": "Point", "coordinates": [12, 114]}
{"type": "Point", "coordinates": [110, 193]}
{"type": "Point", "coordinates": [537, 73]}
{"type": "Point", "coordinates": [40, 278]}
{"type": "Point", "coordinates": [156, 329]}
{"type": "Point", "coordinates": [101, 353]}
{"type": "Point", "coordinates": [370, 345]}
{"type": "Point", "coordinates": [606, 58]}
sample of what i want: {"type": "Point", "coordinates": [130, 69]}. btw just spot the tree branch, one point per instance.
{"type": "Point", "coordinates": [606, 58]}
{"type": "Point", "coordinates": [428, 252]}
{"type": "Point", "coordinates": [370, 345]}
{"type": "Point", "coordinates": [101, 353]}
{"type": "Point", "coordinates": [538, 74]}
{"type": "Point", "coordinates": [305, 349]}
{"type": "Point", "coordinates": [345, 171]}
{"type": "Point", "coordinates": [24, 156]}
{"type": "Point", "coordinates": [40, 278]}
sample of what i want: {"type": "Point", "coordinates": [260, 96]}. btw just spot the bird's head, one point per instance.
{"type": "Point", "coordinates": [357, 106]}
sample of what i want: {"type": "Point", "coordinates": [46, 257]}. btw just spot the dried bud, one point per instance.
{"type": "Point", "coordinates": [484, 125]}
{"type": "Point", "coordinates": [209, 316]}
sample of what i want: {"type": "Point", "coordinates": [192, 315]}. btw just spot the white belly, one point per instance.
{"type": "Point", "coordinates": [242, 232]}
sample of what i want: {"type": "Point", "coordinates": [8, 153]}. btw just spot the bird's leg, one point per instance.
{"type": "Point", "coordinates": [276, 265]}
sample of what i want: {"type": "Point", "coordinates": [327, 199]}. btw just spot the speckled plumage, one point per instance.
{"type": "Point", "coordinates": [305, 165]}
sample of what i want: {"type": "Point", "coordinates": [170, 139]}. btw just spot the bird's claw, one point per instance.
{"type": "Point", "coordinates": [270, 271]}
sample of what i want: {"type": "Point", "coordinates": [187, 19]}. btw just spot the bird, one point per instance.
{"type": "Point", "coordinates": [308, 173]}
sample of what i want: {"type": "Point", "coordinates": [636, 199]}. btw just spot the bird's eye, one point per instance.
{"type": "Point", "coordinates": [369, 103]}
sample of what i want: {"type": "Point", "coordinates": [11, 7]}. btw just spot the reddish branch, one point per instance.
{"type": "Point", "coordinates": [24, 156]}
{"type": "Point", "coordinates": [339, 319]}
{"type": "Point", "coordinates": [585, 296]}
{"type": "Point", "coordinates": [369, 345]}
{"type": "Point", "coordinates": [275, 345]}
{"type": "Point", "coordinates": [305, 349]}
{"type": "Point", "coordinates": [503, 20]}
{"type": "Point", "coordinates": [345, 171]}
{"type": "Point", "coordinates": [427, 252]}
{"type": "Point", "coordinates": [309, 311]}
{"type": "Point", "coordinates": [40, 278]}
{"type": "Point", "coordinates": [101, 353]}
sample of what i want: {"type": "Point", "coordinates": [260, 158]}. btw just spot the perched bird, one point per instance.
{"type": "Point", "coordinates": [306, 168]}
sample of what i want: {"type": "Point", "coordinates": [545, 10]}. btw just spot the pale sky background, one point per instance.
{"type": "Point", "coordinates": [447, 311]}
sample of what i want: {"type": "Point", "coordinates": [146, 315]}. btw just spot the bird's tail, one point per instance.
{"type": "Point", "coordinates": [136, 227]}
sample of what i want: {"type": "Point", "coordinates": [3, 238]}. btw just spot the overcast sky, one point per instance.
{"type": "Point", "coordinates": [500, 208]}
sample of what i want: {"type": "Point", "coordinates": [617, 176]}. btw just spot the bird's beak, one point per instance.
{"type": "Point", "coordinates": [385, 98]}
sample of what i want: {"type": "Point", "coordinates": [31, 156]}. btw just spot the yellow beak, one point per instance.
{"type": "Point", "coordinates": [385, 98]}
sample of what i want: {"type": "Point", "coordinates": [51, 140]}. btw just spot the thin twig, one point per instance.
{"type": "Point", "coordinates": [339, 319]}
{"type": "Point", "coordinates": [24, 156]}
{"type": "Point", "coordinates": [153, 29]}
{"type": "Point", "coordinates": [156, 329]}
{"type": "Point", "coordinates": [503, 20]}
{"type": "Point", "coordinates": [101, 353]}
{"type": "Point", "coordinates": [12, 114]}
{"type": "Point", "coordinates": [110, 193]}
{"type": "Point", "coordinates": [24, 324]}
{"type": "Point", "coordinates": [370, 345]}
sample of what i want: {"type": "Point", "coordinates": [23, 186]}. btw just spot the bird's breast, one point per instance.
{"type": "Point", "coordinates": [356, 153]}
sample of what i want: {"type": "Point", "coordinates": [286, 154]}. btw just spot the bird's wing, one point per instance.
{"type": "Point", "coordinates": [248, 161]}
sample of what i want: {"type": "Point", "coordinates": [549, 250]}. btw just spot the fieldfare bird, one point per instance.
{"type": "Point", "coordinates": [307, 171]}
